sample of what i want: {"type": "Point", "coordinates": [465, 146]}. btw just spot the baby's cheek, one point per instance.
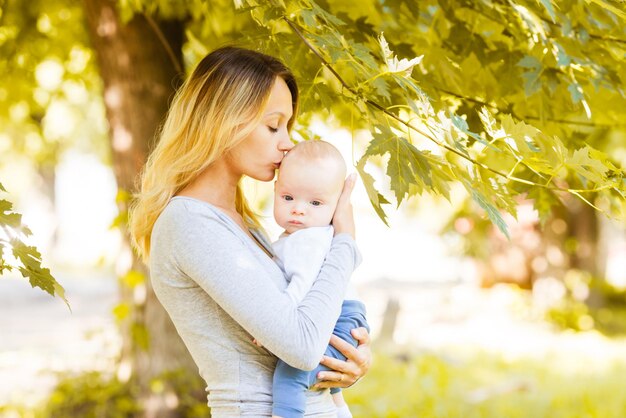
{"type": "Point", "coordinates": [328, 217]}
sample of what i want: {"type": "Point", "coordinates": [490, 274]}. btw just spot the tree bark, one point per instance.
{"type": "Point", "coordinates": [584, 226]}
{"type": "Point", "coordinates": [140, 64]}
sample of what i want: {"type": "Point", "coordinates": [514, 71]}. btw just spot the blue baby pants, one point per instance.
{"type": "Point", "coordinates": [291, 384]}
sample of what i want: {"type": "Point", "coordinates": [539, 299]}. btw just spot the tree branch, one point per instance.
{"type": "Point", "coordinates": [374, 104]}
{"type": "Point", "coordinates": [591, 35]}
{"type": "Point", "coordinates": [164, 42]}
{"type": "Point", "coordinates": [523, 117]}
{"type": "Point", "coordinates": [549, 22]}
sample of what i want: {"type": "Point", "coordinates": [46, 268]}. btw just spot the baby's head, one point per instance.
{"type": "Point", "coordinates": [309, 183]}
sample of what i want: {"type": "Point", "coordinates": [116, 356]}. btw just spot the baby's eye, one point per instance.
{"type": "Point", "coordinates": [316, 203]}
{"type": "Point", "coordinates": [288, 198]}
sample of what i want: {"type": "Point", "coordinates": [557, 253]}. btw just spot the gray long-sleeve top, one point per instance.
{"type": "Point", "coordinates": [221, 291]}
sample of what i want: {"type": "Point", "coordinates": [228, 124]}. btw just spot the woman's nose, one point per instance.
{"type": "Point", "coordinates": [285, 143]}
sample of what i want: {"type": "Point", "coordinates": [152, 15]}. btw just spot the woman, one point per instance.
{"type": "Point", "coordinates": [210, 262]}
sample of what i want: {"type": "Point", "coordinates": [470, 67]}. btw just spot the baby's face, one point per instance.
{"type": "Point", "coordinates": [306, 195]}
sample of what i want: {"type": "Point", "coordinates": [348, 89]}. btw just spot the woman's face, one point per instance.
{"type": "Point", "coordinates": [259, 154]}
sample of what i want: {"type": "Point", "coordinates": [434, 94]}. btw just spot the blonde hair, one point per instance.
{"type": "Point", "coordinates": [215, 109]}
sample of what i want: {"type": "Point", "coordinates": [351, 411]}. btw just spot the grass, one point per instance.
{"type": "Point", "coordinates": [482, 385]}
{"type": "Point", "coordinates": [463, 384]}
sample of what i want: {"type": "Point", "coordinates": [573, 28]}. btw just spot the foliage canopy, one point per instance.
{"type": "Point", "coordinates": [447, 90]}
{"type": "Point", "coordinates": [511, 99]}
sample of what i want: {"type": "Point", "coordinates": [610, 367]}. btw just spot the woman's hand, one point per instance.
{"type": "Point", "coordinates": [345, 373]}
{"type": "Point", "coordinates": [343, 219]}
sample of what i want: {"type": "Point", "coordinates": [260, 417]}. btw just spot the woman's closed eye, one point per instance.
{"type": "Point", "coordinates": [272, 129]}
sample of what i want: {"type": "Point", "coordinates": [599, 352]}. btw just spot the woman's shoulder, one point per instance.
{"type": "Point", "coordinates": [187, 214]}
{"type": "Point", "coordinates": [187, 224]}
{"type": "Point", "coordinates": [183, 207]}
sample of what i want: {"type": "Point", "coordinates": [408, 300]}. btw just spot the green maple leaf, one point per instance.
{"type": "Point", "coordinates": [441, 178]}
{"type": "Point", "coordinates": [363, 54]}
{"type": "Point", "coordinates": [13, 220]}
{"type": "Point", "coordinates": [409, 85]}
{"type": "Point", "coordinates": [543, 201]}
{"type": "Point", "coordinates": [308, 16]}
{"type": "Point", "coordinates": [382, 89]}
{"type": "Point", "coordinates": [539, 166]}
{"type": "Point", "coordinates": [407, 165]}
{"type": "Point", "coordinates": [549, 8]}
{"type": "Point", "coordinates": [532, 82]}
{"type": "Point", "coordinates": [376, 199]}
{"type": "Point", "coordinates": [589, 168]}
{"type": "Point", "coordinates": [576, 91]}
{"type": "Point", "coordinates": [329, 17]}
{"type": "Point", "coordinates": [601, 156]}
{"type": "Point", "coordinates": [40, 278]}
{"type": "Point", "coordinates": [3, 265]}
{"type": "Point", "coordinates": [492, 212]}
{"type": "Point", "coordinates": [325, 95]}
{"type": "Point", "coordinates": [461, 125]}
{"type": "Point", "coordinates": [489, 122]}
{"type": "Point", "coordinates": [31, 268]}
{"type": "Point", "coordinates": [520, 132]}
{"type": "Point", "coordinates": [608, 6]}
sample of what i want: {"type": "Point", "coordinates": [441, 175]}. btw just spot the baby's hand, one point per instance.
{"type": "Point", "coordinates": [255, 342]}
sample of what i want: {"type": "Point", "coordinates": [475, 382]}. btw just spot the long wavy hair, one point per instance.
{"type": "Point", "coordinates": [215, 109]}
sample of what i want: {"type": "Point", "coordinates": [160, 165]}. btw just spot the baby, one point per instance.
{"type": "Point", "coordinates": [310, 181]}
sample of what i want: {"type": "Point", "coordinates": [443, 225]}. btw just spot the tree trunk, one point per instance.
{"type": "Point", "coordinates": [140, 65]}
{"type": "Point", "coordinates": [584, 226]}
{"type": "Point", "coordinates": [47, 173]}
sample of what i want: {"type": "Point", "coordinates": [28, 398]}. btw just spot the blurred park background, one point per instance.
{"type": "Point", "coordinates": [492, 229]}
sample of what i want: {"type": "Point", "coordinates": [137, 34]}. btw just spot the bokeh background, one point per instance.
{"type": "Point", "coordinates": [465, 321]}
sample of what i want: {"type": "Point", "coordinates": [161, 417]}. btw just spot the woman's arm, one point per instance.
{"type": "Point", "coordinates": [343, 219]}
{"type": "Point", "coordinates": [210, 252]}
